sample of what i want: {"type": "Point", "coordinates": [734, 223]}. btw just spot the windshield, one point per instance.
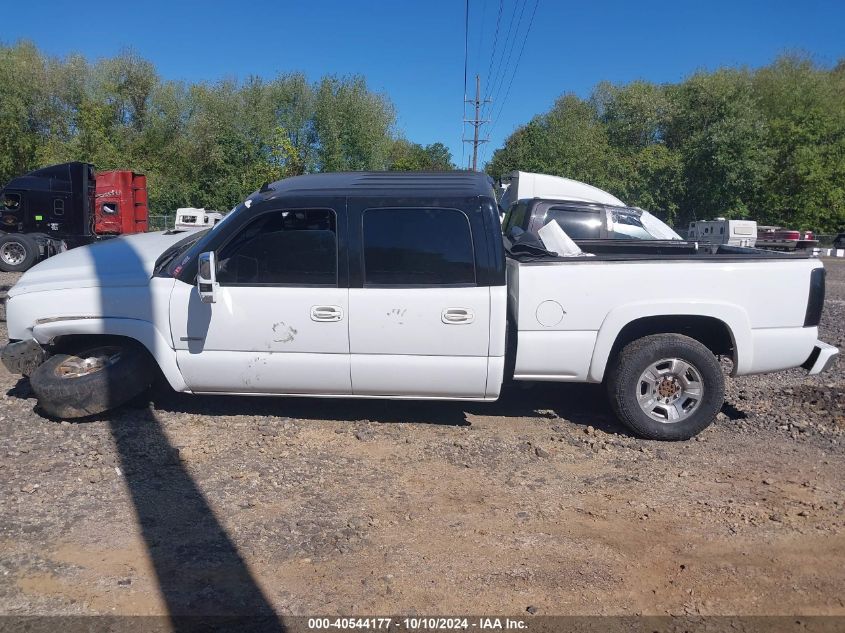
{"type": "Point", "coordinates": [194, 247]}
{"type": "Point", "coordinates": [167, 258]}
{"type": "Point", "coordinates": [634, 224]}
{"type": "Point", "coordinates": [626, 225]}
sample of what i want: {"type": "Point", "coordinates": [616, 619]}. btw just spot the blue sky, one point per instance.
{"type": "Point", "coordinates": [414, 51]}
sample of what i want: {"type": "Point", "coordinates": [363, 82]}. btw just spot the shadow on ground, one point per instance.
{"type": "Point", "coordinates": [199, 569]}
{"type": "Point", "coordinates": [581, 404]}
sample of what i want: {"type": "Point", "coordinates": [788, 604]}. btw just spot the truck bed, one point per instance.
{"type": "Point", "coordinates": [569, 311]}
{"type": "Point", "coordinates": [639, 250]}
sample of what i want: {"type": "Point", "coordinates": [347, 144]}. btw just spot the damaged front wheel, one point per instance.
{"type": "Point", "coordinates": [92, 380]}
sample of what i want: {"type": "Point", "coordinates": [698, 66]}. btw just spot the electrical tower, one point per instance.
{"type": "Point", "coordinates": [476, 122]}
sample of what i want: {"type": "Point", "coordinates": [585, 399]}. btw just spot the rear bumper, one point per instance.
{"type": "Point", "coordinates": [820, 359]}
{"type": "Point", "coordinates": [22, 357]}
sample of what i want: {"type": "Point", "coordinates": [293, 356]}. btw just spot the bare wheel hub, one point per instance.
{"type": "Point", "coordinates": [670, 390]}
{"type": "Point", "coordinates": [12, 253]}
{"type": "Point", "coordinates": [88, 362]}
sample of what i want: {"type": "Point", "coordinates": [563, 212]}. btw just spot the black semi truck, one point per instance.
{"type": "Point", "coordinates": [63, 206]}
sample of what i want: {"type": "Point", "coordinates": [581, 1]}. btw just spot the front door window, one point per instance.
{"type": "Point", "coordinates": [297, 248]}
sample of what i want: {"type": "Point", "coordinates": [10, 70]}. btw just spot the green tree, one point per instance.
{"type": "Point", "coordinates": [407, 156]}
{"type": "Point", "coordinates": [718, 128]}
{"type": "Point", "coordinates": [766, 144]}
{"type": "Point", "coordinates": [353, 126]}
{"type": "Point", "coordinates": [200, 144]}
{"type": "Point", "coordinates": [24, 111]}
{"type": "Point", "coordinates": [805, 112]}
{"type": "Point", "coordinates": [569, 140]}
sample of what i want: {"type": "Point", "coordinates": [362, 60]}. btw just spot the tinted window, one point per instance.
{"type": "Point", "coordinates": [579, 225]}
{"type": "Point", "coordinates": [283, 247]}
{"type": "Point", "coordinates": [417, 247]}
{"type": "Point", "coordinates": [109, 208]}
{"type": "Point", "coordinates": [516, 217]}
{"type": "Point", "coordinates": [12, 200]}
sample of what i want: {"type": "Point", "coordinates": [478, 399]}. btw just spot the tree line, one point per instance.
{"type": "Point", "coordinates": [765, 144]}
{"type": "Point", "coordinates": [200, 144]}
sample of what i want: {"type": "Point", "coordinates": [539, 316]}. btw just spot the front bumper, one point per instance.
{"type": "Point", "coordinates": [820, 359]}
{"type": "Point", "coordinates": [22, 357]}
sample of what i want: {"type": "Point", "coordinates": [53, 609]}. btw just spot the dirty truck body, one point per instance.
{"type": "Point", "coordinates": [399, 286]}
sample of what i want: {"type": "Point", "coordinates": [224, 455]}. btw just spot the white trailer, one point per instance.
{"type": "Point", "coordinates": [191, 219]}
{"type": "Point", "coordinates": [723, 231]}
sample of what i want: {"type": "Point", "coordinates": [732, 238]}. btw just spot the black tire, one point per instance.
{"type": "Point", "coordinates": [623, 385]}
{"type": "Point", "coordinates": [129, 374]}
{"type": "Point", "coordinates": [18, 252]}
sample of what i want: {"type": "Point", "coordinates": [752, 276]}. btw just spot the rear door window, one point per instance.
{"type": "Point", "coordinates": [417, 247]}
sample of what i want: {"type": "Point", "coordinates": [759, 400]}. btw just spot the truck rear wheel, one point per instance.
{"type": "Point", "coordinates": [92, 380]}
{"type": "Point", "coordinates": [666, 387]}
{"type": "Point", "coordinates": [18, 253]}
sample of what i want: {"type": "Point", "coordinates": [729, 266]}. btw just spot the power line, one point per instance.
{"type": "Point", "coordinates": [491, 80]}
{"type": "Point", "coordinates": [500, 79]}
{"type": "Point", "coordinates": [495, 119]}
{"type": "Point", "coordinates": [466, 53]}
{"type": "Point", "coordinates": [515, 68]}
{"type": "Point", "coordinates": [477, 54]}
{"type": "Point", "coordinates": [496, 80]}
{"type": "Point", "coordinates": [495, 42]}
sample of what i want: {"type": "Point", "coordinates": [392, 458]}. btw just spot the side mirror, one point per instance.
{"type": "Point", "coordinates": [207, 277]}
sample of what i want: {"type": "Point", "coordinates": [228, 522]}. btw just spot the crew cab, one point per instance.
{"type": "Point", "coordinates": [400, 285]}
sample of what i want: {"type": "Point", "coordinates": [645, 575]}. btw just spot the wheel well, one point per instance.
{"type": "Point", "coordinates": [70, 343]}
{"type": "Point", "coordinates": [714, 334]}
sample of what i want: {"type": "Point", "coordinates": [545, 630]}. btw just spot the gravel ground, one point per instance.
{"type": "Point", "coordinates": [260, 505]}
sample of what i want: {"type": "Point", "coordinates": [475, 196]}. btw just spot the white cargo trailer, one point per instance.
{"type": "Point", "coordinates": [190, 219]}
{"type": "Point", "coordinates": [723, 231]}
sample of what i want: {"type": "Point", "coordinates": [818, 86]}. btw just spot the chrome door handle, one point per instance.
{"type": "Point", "coordinates": [457, 316]}
{"type": "Point", "coordinates": [326, 313]}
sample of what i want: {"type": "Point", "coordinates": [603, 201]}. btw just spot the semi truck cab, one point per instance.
{"type": "Point", "coordinates": [63, 206]}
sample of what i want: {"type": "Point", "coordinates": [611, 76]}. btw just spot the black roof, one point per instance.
{"type": "Point", "coordinates": [378, 183]}
{"type": "Point", "coordinates": [51, 178]}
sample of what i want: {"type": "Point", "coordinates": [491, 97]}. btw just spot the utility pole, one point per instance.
{"type": "Point", "coordinates": [477, 122]}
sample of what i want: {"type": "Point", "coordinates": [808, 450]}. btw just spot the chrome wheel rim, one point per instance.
{"type": "Point", "coordinates": [670, 390]}
{"type": "Point", "coordinates": [88, 362]}
{"type": "Point", "coordinates": [12, 253]}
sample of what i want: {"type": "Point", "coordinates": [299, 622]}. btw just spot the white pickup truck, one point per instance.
{"type": "Point", "coordinates": [387, 285]}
